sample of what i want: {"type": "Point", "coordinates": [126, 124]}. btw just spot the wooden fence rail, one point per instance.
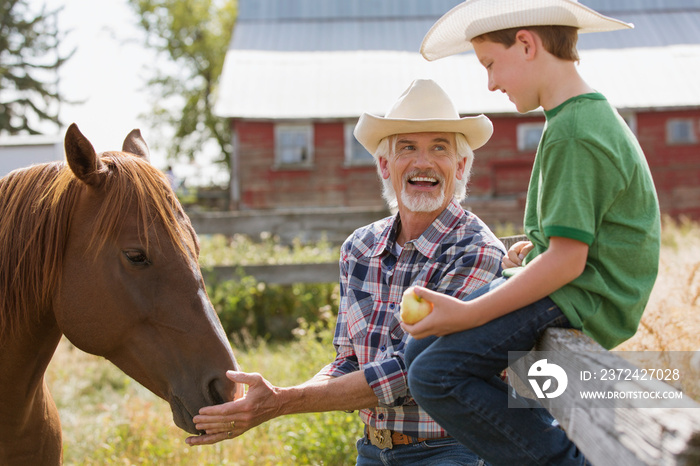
{"type": "Point", "coordinates": [287, 274]}
{"type": "Point", "coordinates": [307, 225]}
{"type": "Point", "coordinates": [282, 274]}
{"type": "Point", "coordinates": [626, 431]}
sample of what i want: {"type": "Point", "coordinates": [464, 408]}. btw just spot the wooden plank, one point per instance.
{"type": "Point", "coordinates": [304, 224]}
{"type": "Point", "coordinates": [626, 432]}
{"type": "Point", "coordinates": [281, 274]}
{"type": "Point", "coordinates": [286, 274]}
{"type": "Point", "coordinates": [508, 241]}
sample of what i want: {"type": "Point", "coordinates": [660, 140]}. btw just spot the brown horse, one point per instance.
{"type": "Point", "coordinates": [100, 250]}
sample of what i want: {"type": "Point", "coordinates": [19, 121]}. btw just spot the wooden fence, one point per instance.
{"type": "Point", "coordinates": [307, 225]}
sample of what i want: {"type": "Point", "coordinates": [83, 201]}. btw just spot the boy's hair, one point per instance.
{"type": "Point", "coordinates": [560, 41]}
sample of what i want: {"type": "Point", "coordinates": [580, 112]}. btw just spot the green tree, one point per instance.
{"type": "Point", "coordinates": [194, 36]}
{"type": "Point", "coordinates": [29, 63]}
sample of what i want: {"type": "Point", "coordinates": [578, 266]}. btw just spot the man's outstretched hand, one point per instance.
{"type": "Point", "coordinates": [247, 410]}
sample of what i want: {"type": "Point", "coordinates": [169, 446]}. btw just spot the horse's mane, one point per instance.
{"type": "Point", "coordinates": [36, 206]}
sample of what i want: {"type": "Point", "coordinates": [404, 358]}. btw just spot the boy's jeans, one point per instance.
{"type": "Point", "coordinates": [455, 378]}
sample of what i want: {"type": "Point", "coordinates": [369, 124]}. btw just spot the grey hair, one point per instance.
{"type": "Point", "coordinates": [387, 149]}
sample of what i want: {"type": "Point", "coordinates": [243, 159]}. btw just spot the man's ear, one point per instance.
{"type": "Point", "coordinates": [528, 42]}
{"type": "Point", "coordinates": [461, 164]}
{"type": "Point", "coordinates": [383, 165]}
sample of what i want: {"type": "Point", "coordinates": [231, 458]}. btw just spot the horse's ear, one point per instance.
{"type": "Point", "coordinates": [82, 158]}
{"type": "Point", "coordinates": [135, 144]}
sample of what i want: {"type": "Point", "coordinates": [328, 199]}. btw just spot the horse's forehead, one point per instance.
{"type": "Point", "coordinates": [135, 200]}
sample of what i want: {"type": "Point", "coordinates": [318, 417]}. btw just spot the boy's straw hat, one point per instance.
{"type": "Point", "coordinates": [454, 31]}
{"type": "Point", "coordinates": [424, 107]}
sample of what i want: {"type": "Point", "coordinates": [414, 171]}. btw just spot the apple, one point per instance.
{"type": "Point", "coordinates": [414, 308]}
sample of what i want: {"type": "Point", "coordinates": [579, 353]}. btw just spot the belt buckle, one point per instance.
{"type": "Point", "coordinates": [380, 438]}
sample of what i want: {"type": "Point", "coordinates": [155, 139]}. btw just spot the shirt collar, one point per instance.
{"type": "Point", "coordinates": [387, 238]}
{"type": "Point", "coordinates": [427, 243]}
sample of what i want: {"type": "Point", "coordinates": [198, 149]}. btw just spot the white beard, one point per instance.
{"type": "Point", "coordinates": [423, 202]}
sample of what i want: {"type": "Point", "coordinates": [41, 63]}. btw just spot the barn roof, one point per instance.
{"type": "Point", "coordinates": [299, 59]}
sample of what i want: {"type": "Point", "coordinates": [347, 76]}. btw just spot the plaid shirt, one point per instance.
{"type": "Point", "coordinates": [455, 255]}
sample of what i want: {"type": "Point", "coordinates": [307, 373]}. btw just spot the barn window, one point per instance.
{"type": "Point", "coordinates": [294, 144]}
{"type": "Point", "coordinates": [355, 153]}
{"type": "Point", "coordinates": [680, 131]}
{"type": "Point", "coordinates": [529, 135]}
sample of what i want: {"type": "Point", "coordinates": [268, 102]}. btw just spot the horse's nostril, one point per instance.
{"type": "Point", "coordinates": [215, 392]}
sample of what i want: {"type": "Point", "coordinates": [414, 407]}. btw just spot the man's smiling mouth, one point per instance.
{"type": "Point", "coordinates": [423, 181]}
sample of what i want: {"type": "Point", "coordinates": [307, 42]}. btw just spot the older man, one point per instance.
{"type": "Point", "coordinates": [423, 151]}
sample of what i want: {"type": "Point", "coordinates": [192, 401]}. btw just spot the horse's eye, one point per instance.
{"type": "Point", "coordinates": [136, 257]}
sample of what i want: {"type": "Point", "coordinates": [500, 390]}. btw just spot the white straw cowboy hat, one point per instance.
{"type": "Point", "coordinates": [453, 32]}
{"type": "Point", "coordinates": [424, 107]}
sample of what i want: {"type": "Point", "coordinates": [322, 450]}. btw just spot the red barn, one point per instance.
{"type": "Point", "coordinates": [298, 74]}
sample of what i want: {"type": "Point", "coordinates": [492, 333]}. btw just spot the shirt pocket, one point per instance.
{"type": "Point", "coordinates": [360, 307]}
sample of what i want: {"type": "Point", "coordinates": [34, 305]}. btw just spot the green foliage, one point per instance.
{"type": "Point", "coordinates": [194, 36]}
{"type": "Point", "coordinates": [251, 309]}
{"type": "Point", "coordinates": [29, 63]}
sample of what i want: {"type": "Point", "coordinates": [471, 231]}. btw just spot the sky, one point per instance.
{"type": "Point", "coordinates": [108, 74]}
{"type": "Point", "coordinates": [107, 71]}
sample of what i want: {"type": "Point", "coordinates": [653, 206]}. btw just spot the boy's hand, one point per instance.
{"type": "Point", "coordinates": [516, 254]}
{"type": "Point", "coordinates": [449, 316]}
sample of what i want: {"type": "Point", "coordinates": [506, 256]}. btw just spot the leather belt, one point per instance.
{"type": "Point", "coordinates": [385, 438]}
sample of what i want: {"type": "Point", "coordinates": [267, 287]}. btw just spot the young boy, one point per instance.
{"type": "Point", "coordinates": [591, 218]}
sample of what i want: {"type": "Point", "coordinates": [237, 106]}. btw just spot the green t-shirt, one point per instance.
{"type": "Point", "coordinates": [591, 182]}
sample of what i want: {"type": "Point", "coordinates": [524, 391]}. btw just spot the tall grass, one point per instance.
{"type": "Point", "coordinates": [671, 321]}
{"type": "Point", "coordinates": [109, 419]}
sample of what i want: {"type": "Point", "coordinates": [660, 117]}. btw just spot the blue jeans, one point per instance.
{"type": "Point", "coordinates": [438, 452]}
{"type": "Point", "coordinates": [455, 378]}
